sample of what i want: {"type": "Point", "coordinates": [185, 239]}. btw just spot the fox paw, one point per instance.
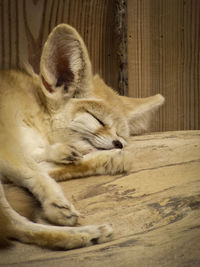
{"type": "Point", "coordinates": [96, 234]}
{"type": "Point", "coordinates": [60, 213]}
{"type": "Point", "coordinates": [76, 237]}
{"type": "Point", "coordinates": [120, 161]}
{"type": "Point", "coordinates": [110, 161]}
{"type": "Point", "coordinates": [106, 232]}
{"type": "Point", "coordinates": [62, 153]}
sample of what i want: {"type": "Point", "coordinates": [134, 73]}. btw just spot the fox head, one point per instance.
{"type": "Point", "coordinates": [100, 116]}
{"type": "Point", "coordinates": [90, 124]}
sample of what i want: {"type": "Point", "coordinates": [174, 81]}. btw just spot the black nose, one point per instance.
{"type": "Point", "coordinates": [117, 144]}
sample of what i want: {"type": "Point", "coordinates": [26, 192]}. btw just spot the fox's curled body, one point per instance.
{"type": "Point", "coordinates": [40, 117]}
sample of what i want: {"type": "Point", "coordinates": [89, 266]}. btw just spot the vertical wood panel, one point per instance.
{"type": "Point", "coordinates": [25, 25]}
{"type": "Point", "coordinates": [163, 56]}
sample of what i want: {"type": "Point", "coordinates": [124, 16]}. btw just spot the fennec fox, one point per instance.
{"type": "Point", "coordinates": [61, 124]}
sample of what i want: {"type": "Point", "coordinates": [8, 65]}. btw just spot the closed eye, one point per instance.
{"type": "Point", "coordinates": [100, 122]}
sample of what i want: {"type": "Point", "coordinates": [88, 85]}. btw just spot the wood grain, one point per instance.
{"type": "Point", "coordinates": [163, 56]}
{"type": "Point", "coordinates": [154, 210]}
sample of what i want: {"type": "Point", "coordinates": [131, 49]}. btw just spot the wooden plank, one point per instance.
{"type": "Point", "coordinates": [154, 210]}
{"type": "Point", "coordinates": [163, 56]}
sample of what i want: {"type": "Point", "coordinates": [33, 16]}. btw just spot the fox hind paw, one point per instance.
{"type": "Point", "coordinates": [97, 234]}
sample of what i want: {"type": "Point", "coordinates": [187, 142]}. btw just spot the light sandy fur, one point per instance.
{"type": "Point", "coordinates": [62, 124]}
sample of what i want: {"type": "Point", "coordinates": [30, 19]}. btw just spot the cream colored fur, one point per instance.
{"type": "Point", "coordinates": [41, 116]}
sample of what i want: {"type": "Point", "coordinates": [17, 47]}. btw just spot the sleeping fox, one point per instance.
{"type": "Point", "coordinates": [61, 124]}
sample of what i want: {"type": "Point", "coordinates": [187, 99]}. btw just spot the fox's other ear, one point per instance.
{"type": "Point", "coordinates": [65, 64]}
{"type": "Point", "coordinates": [139, 112]}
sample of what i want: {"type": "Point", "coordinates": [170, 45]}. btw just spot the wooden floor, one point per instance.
{"type": "Point", "coordinates": [154, 210]}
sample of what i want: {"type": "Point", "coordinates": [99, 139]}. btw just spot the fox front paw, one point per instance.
{"type": "Point", "coordinates": [63, 153]}
{"type": "Point", "coordinates": [118, 161]}
{"type": "Point", "coordinates": [109, 161]}
{"type": "Point", "coordinates": [60, 213]}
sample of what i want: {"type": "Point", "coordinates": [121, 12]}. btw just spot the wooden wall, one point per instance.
{"type": "Point", "coordinates": [163, 46]}
{"type": "Point", "coordinates": [164, 56]}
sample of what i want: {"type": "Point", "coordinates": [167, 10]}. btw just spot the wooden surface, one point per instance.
{"type": "Point", "coordinates": [154, 210]}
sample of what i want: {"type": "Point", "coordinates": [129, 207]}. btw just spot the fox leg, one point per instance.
{"type": "Point", "coordinates": [24, 171]}
{"type": "Point", "coordinates": [95, 163]}
{"type": "Point", "coordinates": [18, 227]}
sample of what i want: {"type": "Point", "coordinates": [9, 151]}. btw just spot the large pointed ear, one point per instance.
{"type": "Point", "coordinates": [65, 65]}
{"type": "Point", "coordinates": [139, 112]}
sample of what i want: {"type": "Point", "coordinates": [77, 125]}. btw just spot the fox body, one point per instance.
{"type": "Point", "coordinates": [61, 124]}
